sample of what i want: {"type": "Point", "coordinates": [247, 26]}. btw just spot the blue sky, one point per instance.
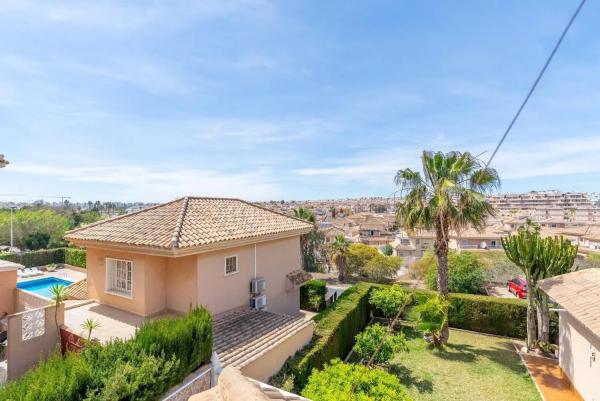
{"type": "Point", "coordinates": [289, 99]}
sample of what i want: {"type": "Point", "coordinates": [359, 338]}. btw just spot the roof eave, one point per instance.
{"type": "Point", "coordinates": [180, 252]}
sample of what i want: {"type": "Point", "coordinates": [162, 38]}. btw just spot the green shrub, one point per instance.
{"type": "Point", "coordinates": [373, 341]}
{"type": "Point", "coordinates": [189, 339]}
{"type": "Point", "coordinates": [485, 314]}
{"type": "Point", "coordinates": [432, 316]}
{"type": "Point", "coordinates": [336, 328]}
{"type": "Point", "coordinates": [387, 250]}
{"type": "Point", "coordinates": [345, 382]}
{"type": "Point", "coordinates": [75, 257]}
{"type": "Point", "coordinates": [312, 294]}
{"type": "Point", "coordinates": [465, 274]}
{"type": "Point", "coordinates": [382, 268]}
{"type": "Point", "coordinates": [161, 354]}
{"type": "Point", "coordinates": [389, 300]}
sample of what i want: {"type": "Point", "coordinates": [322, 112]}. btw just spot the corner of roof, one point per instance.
{"type": "Point", "coordinates": [179, 224]}
{"type": "Point", "coordinates": [75, 230]}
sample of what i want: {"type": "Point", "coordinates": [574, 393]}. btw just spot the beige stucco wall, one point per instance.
{"type": "Point", "coordinates": [274, 259]}
{"type": "Point", "coordinates": [575, 357]}
{"type": "Point", "coordinates": [161, 283]}
{"type": "Point", "coordinates": [182, 283]}
{"type": "Point", "coordinates": [271, 362]}
{"type": "Point", "coordinates": [149, 275]}
{"type": "Point", "coordinates": [8, 284]}
{"type": "Point", "coordinates": [22, 355]}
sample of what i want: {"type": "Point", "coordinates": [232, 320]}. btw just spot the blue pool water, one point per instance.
{"type": "Point", "coordinates": [42, 286]}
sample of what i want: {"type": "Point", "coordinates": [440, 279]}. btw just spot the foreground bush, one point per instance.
{"type": "Point", "coordinates": [161, 354]}
{"type": "Point", "coordinates": [336, 328]}
{"type": "Point", "coordinates": [465, 274]}
{"type": "Point", "coordinates": [345, 382]}
{"type": "Point", "coordinates": [312, 294]}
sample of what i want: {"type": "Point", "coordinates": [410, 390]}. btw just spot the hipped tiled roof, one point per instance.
{"type": "Point", "coordinates": [579, 293]}
{"type": "Point", "coordinates": [189, 222]}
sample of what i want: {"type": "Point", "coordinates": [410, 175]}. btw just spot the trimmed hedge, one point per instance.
{"type": "Point", "coordinates": [312, 289]}
{"type": "Point", "coordinates": [71, 256]}
{"type": "Point", "coordinates": [161, 354]}
{"type": "Point", "coordinates": [335, 330]}
{"type": "Point", "coordinates": [75, 257]}
{"type": "Point", "coordinates": [490, 315]}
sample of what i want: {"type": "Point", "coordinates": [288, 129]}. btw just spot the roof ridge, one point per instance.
{"type": "Point", "coordinates": [179, 224]}
{"type": "Point", "coordinates": [121, 216]}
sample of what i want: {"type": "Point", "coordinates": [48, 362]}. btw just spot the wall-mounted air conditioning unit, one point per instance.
{"type": "Point", "coordinates": [259, 302]}
{"type": "Point", "coordinates": [258, 285]}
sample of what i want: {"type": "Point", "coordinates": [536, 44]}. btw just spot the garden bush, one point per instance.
{"type": "Point", "coordinates": [344, 382]}
{"type": "Point", "coordinates": [373, 341]}
{"type": "Point", "coordinates": [336, 328]}
{"type": "Point", "coordinates": [465, 274]}
{"type": "Point", "coordinates": [161, 354]}
{"type": "Point", "coordinates": [312, 294]}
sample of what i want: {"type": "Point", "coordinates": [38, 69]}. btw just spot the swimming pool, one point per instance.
{"type": "Point", "coordinates": [42, 286]}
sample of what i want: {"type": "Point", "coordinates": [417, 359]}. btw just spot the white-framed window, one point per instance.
{"type": "Point", "coordinates": [119, 277]}
{"type": "Point", "coordinates": [231, 265]}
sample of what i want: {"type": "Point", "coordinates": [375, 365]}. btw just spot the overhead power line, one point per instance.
{"type": "Point", "coordinates": [535, 83]}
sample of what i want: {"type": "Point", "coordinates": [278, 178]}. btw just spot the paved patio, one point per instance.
{"type": "Point", "coordinates": [550, 379]}
{"type": "Point", "coordinates": [114, 323]}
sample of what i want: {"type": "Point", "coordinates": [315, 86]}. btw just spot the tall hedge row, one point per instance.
{"type": "Point", "coordinates": [71, 256]}
{"type": "Point", "coordinates": [335, 330]}
{"type": "Point", "coordinates": [161, 354]}
{"type": "Point", "coordinates": [490, 315]}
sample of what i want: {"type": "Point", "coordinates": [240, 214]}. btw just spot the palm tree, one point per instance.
{"type": "Point", "coordinates": [58, 296]}
{"type": "Point", "coordinates": [451, 194]}
{"type": "Point", "coordinates": [339, 254]}
{"type": "Point", "coordinates": [90, 325]}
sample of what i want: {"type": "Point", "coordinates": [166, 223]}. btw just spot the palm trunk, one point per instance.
{"type": "Point", "coordinates": [341, 265]}
{"type": "Point", "coordinates": [441, 251]}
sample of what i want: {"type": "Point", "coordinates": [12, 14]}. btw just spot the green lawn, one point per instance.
{"type": "Point", "coordinates": [472, 367]}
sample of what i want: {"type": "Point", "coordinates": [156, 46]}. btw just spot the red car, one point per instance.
{"type": "Point", "coordinates": [518, 287]}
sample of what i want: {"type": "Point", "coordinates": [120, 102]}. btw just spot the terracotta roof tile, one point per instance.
{"type": "Point", "coordinates": [578, 293]}
{"type": "Point", "coordinates": [243, 335]}
{"type": "Point", "coordinates": [190, 222]}
{"type": "Point", "coordinates": [77, 290]}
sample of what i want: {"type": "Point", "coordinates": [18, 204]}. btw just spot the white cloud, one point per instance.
{"type": "Point", "coordinates": [151, 184]}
